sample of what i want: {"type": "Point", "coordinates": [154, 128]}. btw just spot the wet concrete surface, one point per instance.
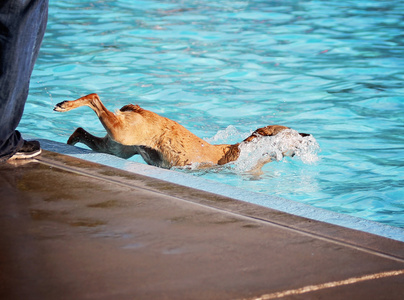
{"type": "Point", "coordinates": [72, 229]}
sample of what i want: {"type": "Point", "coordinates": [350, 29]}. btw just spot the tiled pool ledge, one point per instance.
{"type": "Point", "coordinates": [272, 202]}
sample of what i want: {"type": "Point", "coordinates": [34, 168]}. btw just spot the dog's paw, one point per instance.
{"type": "Point", "coordinates": [76, 136]}
{"type": "Point", "coordinates": [61, 107]}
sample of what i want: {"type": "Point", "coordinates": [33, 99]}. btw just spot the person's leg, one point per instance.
{"type": "Point", "coordinates": [22, 27]}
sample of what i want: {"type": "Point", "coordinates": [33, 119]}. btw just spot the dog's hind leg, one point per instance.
{"type": "Point", "coordinates": [90, 100]}
{"type": "Point", "coordinates": [109, 120]}
{"type": "Point", "coordinates": [103, 145]}
{"type": "Point", "coordinates": [91, 141]}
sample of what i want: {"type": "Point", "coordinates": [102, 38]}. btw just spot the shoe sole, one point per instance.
{"type": "Point", "coordinates": [21, 155]}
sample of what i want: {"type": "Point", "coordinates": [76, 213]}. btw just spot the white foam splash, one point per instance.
{"type": "Point", "coordinates": [273, 148]}
{"type": "Point", "coordinates": [230, 135]}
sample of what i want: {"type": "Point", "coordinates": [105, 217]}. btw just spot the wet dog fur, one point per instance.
{"type": "Point", "coordinates": [160, 141]}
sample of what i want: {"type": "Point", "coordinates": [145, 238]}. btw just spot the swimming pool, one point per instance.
{"type": "Point", "coordinates": [330, 68]}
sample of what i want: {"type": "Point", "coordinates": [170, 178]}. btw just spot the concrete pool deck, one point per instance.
{"type": "Point", "coordinates": [74, 229]}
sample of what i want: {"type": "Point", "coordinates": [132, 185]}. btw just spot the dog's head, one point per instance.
{"type": "Point", "coordinates": [287, 140]}
{"type": "Point", "coordinates": [290, 142]}
{"type": "Point", "coordinates": [272, 143]}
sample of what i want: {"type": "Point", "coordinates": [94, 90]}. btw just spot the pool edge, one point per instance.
{"type": "Point", "coordinates": [268, 201]}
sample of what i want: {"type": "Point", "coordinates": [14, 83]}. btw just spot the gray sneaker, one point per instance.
{"type": "Point", "coordinates": [29, 149]}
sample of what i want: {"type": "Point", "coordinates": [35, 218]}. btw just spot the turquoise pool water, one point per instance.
{"type": "Point", "coordinates": [334, 69]}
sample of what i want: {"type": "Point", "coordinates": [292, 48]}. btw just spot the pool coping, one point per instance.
{"type": "Point", "coordinates": [197, 185]}
{"type": "Point", "coordinates": [346, 237]}
{"type": "Point", "coordinates": [63, 216]}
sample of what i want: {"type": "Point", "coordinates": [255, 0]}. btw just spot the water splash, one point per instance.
{"type": "Point", "coordinates": [230, 135]}
{"type": "Point", "coordinates": [264, 149]}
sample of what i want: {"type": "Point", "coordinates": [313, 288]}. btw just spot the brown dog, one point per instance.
{"type": "Point", "coordinates": [160, 141]}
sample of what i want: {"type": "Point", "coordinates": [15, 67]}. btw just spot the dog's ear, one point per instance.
{"type": "Point", "coordinates": [266, 131]}
{"type": "Point", "coordinates": [231, 155]}
{"type": "Point", "coordinates": [304, 134]}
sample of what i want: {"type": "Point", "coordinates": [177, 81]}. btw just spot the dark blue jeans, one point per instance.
{"type": "Point", "coordinates": [22, 27]}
